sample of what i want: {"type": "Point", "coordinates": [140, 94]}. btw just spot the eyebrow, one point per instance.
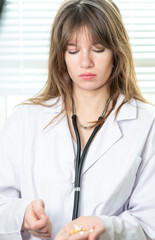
{"type": "Point", "coordinates": [71, 44]}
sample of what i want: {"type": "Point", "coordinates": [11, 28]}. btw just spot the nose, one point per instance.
{"type": "Point", "coordinates": [86, 60]}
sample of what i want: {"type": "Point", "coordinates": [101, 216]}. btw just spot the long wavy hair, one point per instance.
{"type": "Point", "coordinates": [104, 21]}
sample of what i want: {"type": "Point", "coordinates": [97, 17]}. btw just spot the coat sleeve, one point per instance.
{"type": "Point", "coordinates": [12, 206]}
{"type": "Point", "coordinates": [137, 222]}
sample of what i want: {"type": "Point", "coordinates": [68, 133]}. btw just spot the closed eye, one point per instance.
{"type": "Point", "coordinates": [98, 50]}
{"type": "Point", "coordinates": [72, 52]}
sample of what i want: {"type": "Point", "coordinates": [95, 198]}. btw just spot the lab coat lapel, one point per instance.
{"type": "Point", "coordinates": [65, 137]}
{"type": "Point", "coordinates": [110, 133]}
{"type": "Point", "coordinates": [67, 150]}
{"type": "Point", "coordinates": [60, 126]}
{"type": "Point", "coordinates": [107, 136]}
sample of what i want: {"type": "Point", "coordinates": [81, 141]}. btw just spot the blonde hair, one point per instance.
{"type": "Point", "coordinates": [105, 24]}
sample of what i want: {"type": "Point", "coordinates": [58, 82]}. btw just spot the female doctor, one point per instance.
{"type": "Point", "coordinates": [78, 161]}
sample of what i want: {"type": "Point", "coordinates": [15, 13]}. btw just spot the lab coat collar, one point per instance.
{"type": "Point", "coordinates": [128, 110]}
{"type": "Point", "coordinates": [109, 134]}
{"type": "Point", "coordinates": [56, 108]}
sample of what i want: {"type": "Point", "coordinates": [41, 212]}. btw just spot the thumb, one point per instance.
{"type": "Point", "coordinates": [38, 206]}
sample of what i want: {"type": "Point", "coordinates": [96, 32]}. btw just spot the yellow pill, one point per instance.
{"type": "Point", "coordinates": [76, 230]}
{"type": "Point", "coordinates": [83, 229]}
{"type": "Point", "coordinates": [71, 232]}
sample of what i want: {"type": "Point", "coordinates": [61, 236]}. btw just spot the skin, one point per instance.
{"type": "Point", "coordinates": [36, 221]}
{"type": "Point", "coordinates": [81, 56]}
{"type": "Point", "coordinates": [88, 223]}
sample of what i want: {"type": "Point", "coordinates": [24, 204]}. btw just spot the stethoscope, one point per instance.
{"type": "Point", "coordinates": [81, 157]}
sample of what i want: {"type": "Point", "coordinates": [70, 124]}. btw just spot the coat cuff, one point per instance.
{"type": "Point", "coordinates": [124, 227]}
{"type": "Point", "coordinates": [11, 218]}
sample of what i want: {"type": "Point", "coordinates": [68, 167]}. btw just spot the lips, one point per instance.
{"type": "Point", "coordinates": [87, 76]}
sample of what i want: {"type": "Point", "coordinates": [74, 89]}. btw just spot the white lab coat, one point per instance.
{"type": "Point", "coordinates": [118, 176]}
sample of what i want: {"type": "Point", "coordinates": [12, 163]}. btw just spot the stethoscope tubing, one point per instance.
{"type": "Point", "coordinates": [80, 158]}
{"type": "Point", "coordinates": [79, 163]}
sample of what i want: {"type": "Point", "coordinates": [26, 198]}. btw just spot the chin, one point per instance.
{"type": "Point", "coordinates": [93, 88]}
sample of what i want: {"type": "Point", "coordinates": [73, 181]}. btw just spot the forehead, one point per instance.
{"type": "Point", "coordinates": [78, 35]}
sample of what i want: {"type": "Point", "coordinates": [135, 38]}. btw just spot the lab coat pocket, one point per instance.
{"type": "Point", "coordinates": [107, 184]}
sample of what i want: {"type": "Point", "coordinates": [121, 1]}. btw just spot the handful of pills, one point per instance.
{"type": "Point", "coordinates": [78, 229]}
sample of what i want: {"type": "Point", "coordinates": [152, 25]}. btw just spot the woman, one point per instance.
{"type": "Point", "coordinates": [90, 119]}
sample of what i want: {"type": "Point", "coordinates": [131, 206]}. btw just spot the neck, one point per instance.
{"type": "Point", "coordinates": [89, 105]}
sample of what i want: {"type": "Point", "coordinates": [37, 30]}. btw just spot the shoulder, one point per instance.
{"type": "Point", "coordinates": [135, 109]}
{"type": "Point", "coordinates": [49, 106]}
{"type": "Point", "coordinates": [136, 116]}
{"type": "Point", "coordinates": [34, 114]}
{"type": "Point", "coordinates": [145, 110]}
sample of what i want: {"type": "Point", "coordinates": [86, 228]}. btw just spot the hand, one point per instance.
{"type": "Point", "coordinates": [92, 226]}
{"type": "Point", "coordinates": [36, 221]}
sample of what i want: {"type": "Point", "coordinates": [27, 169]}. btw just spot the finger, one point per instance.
{"type": "Point", "coordinates": [41, 235]}
{"type": "Point", "coordinates": [50, 228]}
{"type": "Point", "coordinates": [96, 232]}
{"type": "Point", "coordinates": [45, 229]}
{"type": "Point", "coordinates": [39, 224]}
{"type": "Point", "coordinates": [38, 208]}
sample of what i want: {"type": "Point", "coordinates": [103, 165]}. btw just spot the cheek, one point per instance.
{"type": "Point", "coordinates": [109, 59]}
{"type": "Point", "coordinates": [69, 70]}
{"type": "Point", "coordinates": [71, 67]}
{"type": "Point", "coordinates": [68, 64]}
{"type": "Point", "coordinates": [106, 67]}
{"type": "Point", "coordinates": [109, 65]}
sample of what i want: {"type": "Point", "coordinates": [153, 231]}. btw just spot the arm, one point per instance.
{"type": "Point", "coordinates": [16, 214]}
{"type": "Point", "coordinates": [12, 207]}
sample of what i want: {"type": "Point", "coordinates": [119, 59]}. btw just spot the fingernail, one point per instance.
{"type": "Point", "coordinates": [42, 216]}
